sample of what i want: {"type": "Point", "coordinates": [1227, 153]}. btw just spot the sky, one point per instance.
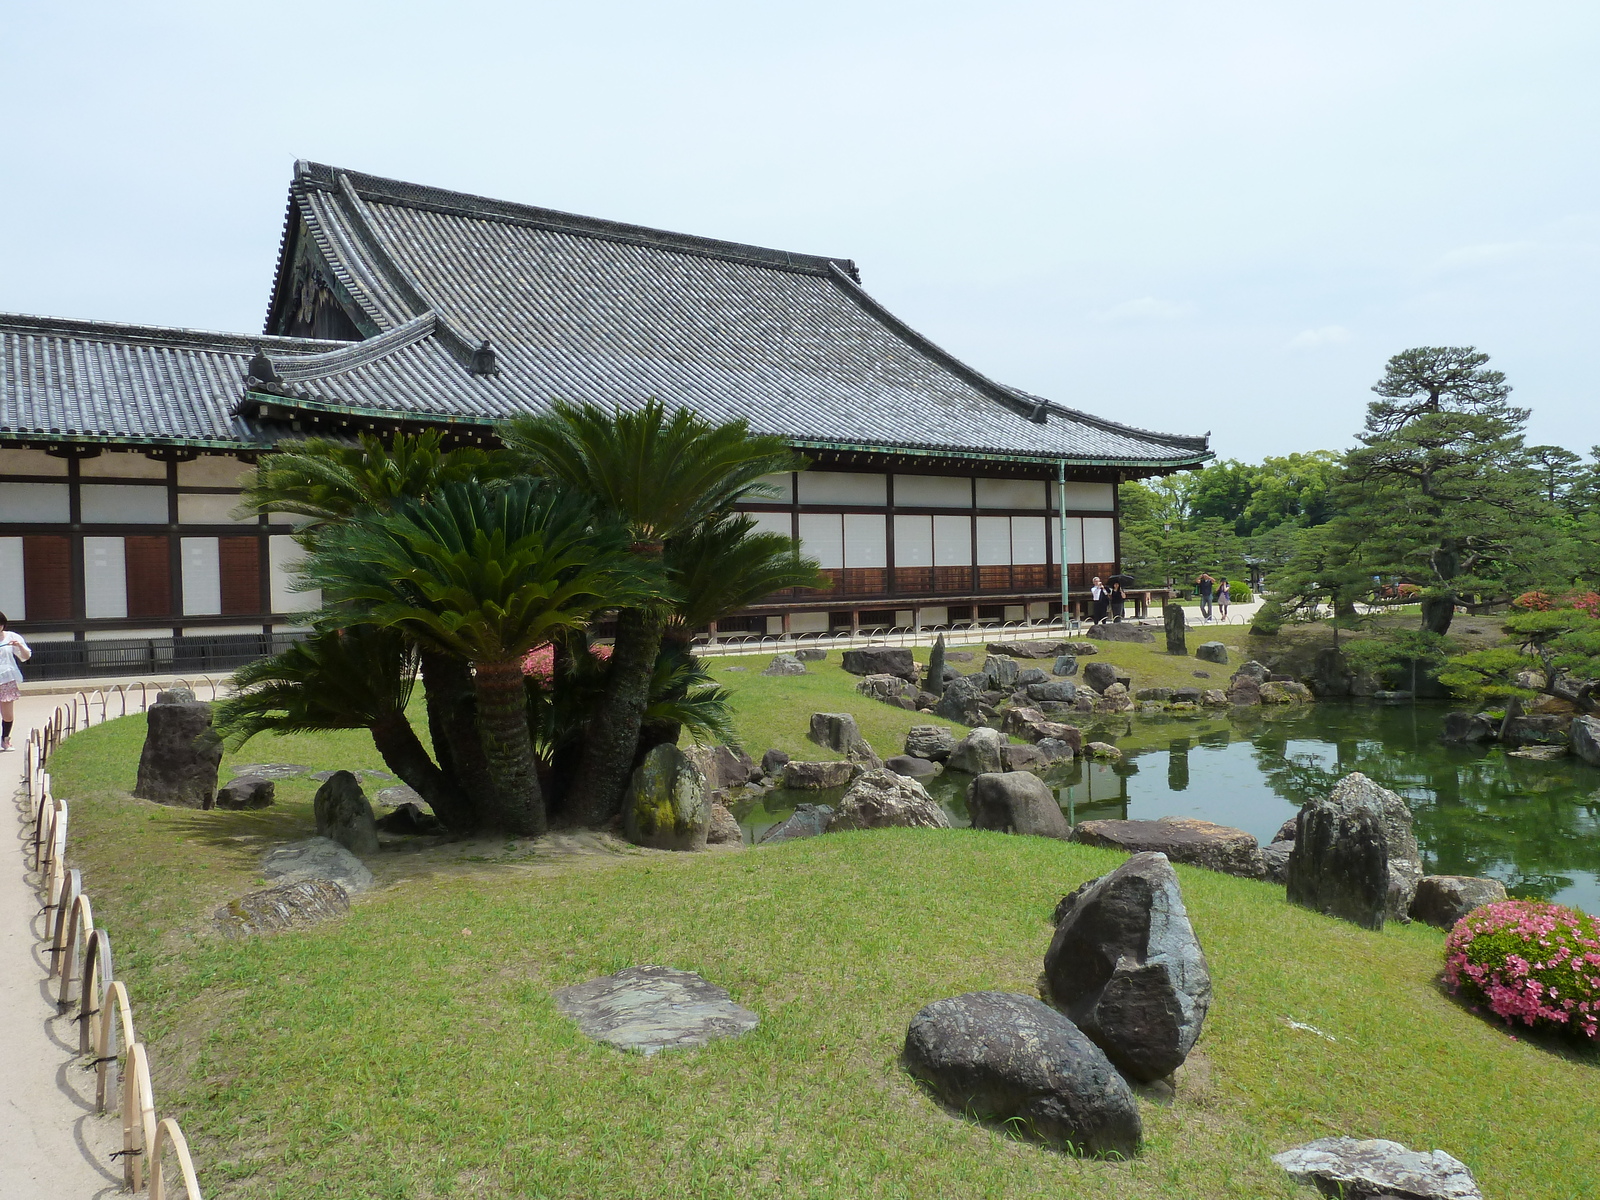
{"type": "Point", "coordinates": [1220, 217]}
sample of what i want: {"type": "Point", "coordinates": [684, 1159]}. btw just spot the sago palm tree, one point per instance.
{"type": "Point", "coordinates": [355, 678]}
{"type": "Point", "coordinates": [485, 575]}
{"type": "Point", "coordinates": [659, 474]}
{"type": "Point", "coordinates": [723, 565]}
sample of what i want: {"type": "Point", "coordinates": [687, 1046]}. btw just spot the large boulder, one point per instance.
{"type": "Point", "coordinates": [880, 799]}
{"type": "Point", "coordinates": [723, 766]}
{"type": "Point", "coordinates": [1065, 664]}
{"type": "Point", "coordinates": [978, 752]}
{"type": "Point", "coordinates": [785, 664]}
{"type": "Point", "coordinates": [813, 776]}
{"type": "Point", "coordinates": [1255, 670]}
{"type": "Point", "coordinates": [1584, 738]}
{"type": "Point", "coordinates": [724, 827]}
{"type": "Point", "coordinates": [1126, 966]}
{"type": "Point", "coordinates": [911, 766]}
{"type": "Point", "coordinates": [178, 764]}
{"type": "Point", "coordinates": [811, 654]}
{"type": "Point", "coordinates": [1374, 1169]}
{"type": "Point", "coordinates": [807, 820]}
{"type": "Point", "coordinates": [1099, 675]}
{"type": "Point", "coordinates": [1008, 1058]}
{"type": "Point", "coordinates": [1015, 802]}
{"type": "Point", "coordinates": [1032, 649]}
{"type": "Point", "coordinates": [667, 805]}
{"type": "Point", "coordinates": [1212, 652]}
{"type": "Point", "coordinates": [344, 814]}
{"type": "Point", "coordinates": [246, 791]}
{"type": "Point", "coordinates": [933, 742]}
{"type": "Point", "coordinates": [1001, 672]}
{"type": "Point", "coordinates": [1467, 729]}
{"type": "Point", "coordinates": [317, 858]}
{"type": "Point", "coordinates": [1172, 617]}
{"type": "Point", "coordinates": [1181, 839]}
{"type": "Point", "coordinates": [881, 660]}
{"type": "Point", "coordinates": [1340, 863]}
{"type": "Point", "coordinates": [1054, 750]}
{"type": "Point", "coordinates": [840, 733]}
{"type": "Point", "coordinates": [1115, 698]}
{"type": "Point", "coordinates": [1119, 631]}
{"type": "Point", "coordinates": [964, 700]}
{"type": "Point", "coordinates": [1244, 691]}
{"type": "Point", "coordinates": [1405, 856]}
{"type": "Point", "coordinates": [772, 763]}
{"type": "Point", "coordinates": [1442, 900]}
{"type": "Point", "coordinates": [1284, 691]}
{"type": "Point", "coordinates": [888, 689]}
{"type": "Point", "coordinates": [1055, 689]}
{"type": "Point", "coordinates": [1031, 725]}
{"type": "Point", "coordinates": [1537, 731]}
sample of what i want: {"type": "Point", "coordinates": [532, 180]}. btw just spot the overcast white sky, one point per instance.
{"type": "Point", "coordinates": [1191, 217]}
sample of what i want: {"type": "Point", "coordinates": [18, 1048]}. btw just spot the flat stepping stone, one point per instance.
{"type": "Point", "coordinates": [394, 797]}
{"type": "Point", "coordinates": [270, 770]}
{"type": "Point", "coordinates": [363, 772]}
{"type": "Point", "coordinates": [650, 1009]}
{"type": "Point", "coordinates": [287, 906]}
{"type": "Point", "coordinates": [317, 858]}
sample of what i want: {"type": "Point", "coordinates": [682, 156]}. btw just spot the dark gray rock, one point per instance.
{"type": "Point", "coordinates": [1186, 695]}
{"type": "Point", "coordinates": [1015, 802]}
{"type": "Point", "coordinates": [246, 791]}
{"type": "Point", "coordinates": [1065, 664]}
{"type": "Point", "coordinates": [317, 858]}
{"type": "Point", "coordinates": [1060, 690]}
{"type": "Point", "coordinates": [667, 805]}
{"type": "Point", "coordinates": [887, 689]}
{"type": "Point", "coordinates": [409, 820]}
{"type": "Point", "coordinates": [1001, 672]}
{"type": "Point", "coordinates": [1029, 676]}
{"type": "Point", "coordinates": [1099, 675]}
{"type": "Point", "coordinates": [785, 664]}
{"type": "Point", "coordinates": [1021, 758]}
{"type": "Point", "coordinates": [1584, 738]}
{"type": "Point", "coordinates": [811, 654]}
{"type": "Point", "coordinates": [1173, 619]}
{"type": "Point", "coordinates": [1442, 900]}
{"type": "Point", "coordinates": [1008, 1058]}
{"type": "Point", "coordinates": [650, 1009]}
{"type": "Point", "coordinates": [344, 814]}
{"type": "Point", "coordinates": [840, 733]}
{"type": "Point", "coordinates": [964, 701]}
{"type": "Point", "coordinates": [978, 752]}
{"type": "Point", "coordinates": [1374, 1169]}
{"type": "Point", "coordinates": [1467, 729]}
{"type": "Point", "coordinates": [1201, 674]}
{"type": "Point", "coordinates": [1126, 967]}
{"type": "Point", "coordinates": [1538, 731]}
{"type": "Point", "coordinates": [807, 820]}
{"type": "Point", "coordinates": [1054, 750]}
{"type": "Point", "coordinates": [814, 775]}
{"type": "Point", "coordinates": [178, 765]}
{"type": "Point", "coordinates": [1212, 652]}
{"type": "Point", "coordinates": [1275, 860]}
{"type": "Point", "coordinates": [772, 763]}
{"type": "Point", "coordinates": [723, 766]}
{"type": "Point", "coordinates": [880, 799]}
{"type": "Point", "coordinates": [1031, 725]}
{"type": "Point", "coordinates": [911, 766]}
{"type": "Point", "coordinates": [1181, 839]}
{"type": "Point", "coordinates": [1331, 675]}
{"type": "Point", "coordinates": [175, 696]}
{"type": "Point", "coordinates": [1159, 695]}
{"type": "Point", "coordinates": [1340, 863]}
{"type": "Point", "coordinates": [1405, 856]}
{"type": "Point", "coordinates": [724, 828]}
{"type": "Point", "coordinates": [1255, 670]}
{"type": "Point", "coordinates": [1030, 649]}
{"type": "Point", "coordinates": [1121, 632]}
{"type": "Point", "coordinates": [933, 742]}
{"type": "Point", "coordinates": [937, 672]}
{"type": "Point", "coordinates": [287, 906]}
{"type": "Point", "coordinates": [881, 660]}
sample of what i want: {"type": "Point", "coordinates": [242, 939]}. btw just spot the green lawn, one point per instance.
{"type": "Point", "coordinates": [412, 1049]}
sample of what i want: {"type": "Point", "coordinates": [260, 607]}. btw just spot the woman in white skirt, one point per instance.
{"type": "Point", "coordinates": [13, 650]}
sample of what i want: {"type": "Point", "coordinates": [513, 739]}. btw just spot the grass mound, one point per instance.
{"type": "Point", "coordinates": [412, 1049]}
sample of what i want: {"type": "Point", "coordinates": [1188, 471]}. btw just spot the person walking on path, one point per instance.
{"type": "Point", "coordinates": [1224, 594]}
{"type": "Point", "coordinates": [1100, 597]}
{"type": "Point", "coordinates": [1205, 585]}
{"type": "Point", "coordinates": [12, 651]}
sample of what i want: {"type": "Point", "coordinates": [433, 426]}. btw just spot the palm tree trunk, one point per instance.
{"type": "Point", "coordinates": [453, 727]}
{"type": "Point", "coordinates": [614, 729]}
{"type": "Point", "coordinates": [518, 803]}
{"type": "Point", "coordinates": [405, 755]}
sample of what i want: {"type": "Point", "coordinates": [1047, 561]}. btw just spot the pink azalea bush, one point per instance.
{"type": "Point", "coordinates": [1529, 961]}
{"type": "Point", "coordinates": [541, 660]}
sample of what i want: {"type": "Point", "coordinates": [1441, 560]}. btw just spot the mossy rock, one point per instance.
{"type": "Point", "coordinates": [667, 806]}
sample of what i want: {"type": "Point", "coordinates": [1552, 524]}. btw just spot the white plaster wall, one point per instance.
{"type": "Point", "coordinates": [285, 554]}
{"type": "Point", "coordinates": [202, 577]}
{"type": "Point", "coordinates": [1011, 493]}
{"type": "Point", "coordinates": [123, 504]}
{"type": "Point", "coordinates": [843, 487]}
{"type": "Point", "coordinates": [105, 578]}
{"type": "Point", "coordinates": [13, 595]}
{"type": "Point", "coordinates": [44, 503]}
{"type": "Point", "coordinates": [932, 491]}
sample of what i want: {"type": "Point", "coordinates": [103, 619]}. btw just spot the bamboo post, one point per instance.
{"type": "Point", "coordinates": [115, 1013]}
{"type": "Point", "coordinates": [169, 1136]}
{"type": "Point", "coordinates": [138, 1116]}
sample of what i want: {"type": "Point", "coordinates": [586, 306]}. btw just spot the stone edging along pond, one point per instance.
{"type": "Point", "coordinates": [80, 952]}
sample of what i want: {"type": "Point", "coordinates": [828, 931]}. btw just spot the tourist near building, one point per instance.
{"type": "Point", "coordinates": [936, 495]}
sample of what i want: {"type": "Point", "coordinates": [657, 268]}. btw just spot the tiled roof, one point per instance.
{"type": "Point", "coordinates": [583, 309]}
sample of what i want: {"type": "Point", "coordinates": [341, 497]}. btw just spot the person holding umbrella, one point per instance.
{"type": "Point", "coordinates": [1118, 597]}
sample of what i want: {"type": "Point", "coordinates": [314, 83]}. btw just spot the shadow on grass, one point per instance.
{"type": "Point", "coordinates": [1570, 1047]}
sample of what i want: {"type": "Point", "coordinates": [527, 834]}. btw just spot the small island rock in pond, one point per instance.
{"type": "Point", "coordinates": [1126, 966]}
{"type": "Point", "coordinates": [287, 906]}
{"type": "Point", "coordinates": [1004, 1057]}
{"type": "Point", "coordinates": [667, 806]}
{"type": "Point", "coordinates": [178, 764]}
{"type": "Point", "coordinates": [650, 1009]}
{"type": "Point", "coordinates": [317, 858]}
{"type": "Point", "coordinates": [1584, 734]}
{"type": "Point", "coordinates": [344, 815]}
{"type": "Point", "coordinates": [880, 799]}
{"type": "Point", "coordinates": [979, 751]}
{"type": "Point", "coordinates": [807, 820]}
{"type": "Point", "coordinates": [911, 766]}
{"type": "Point", "coordinates": [1341, 1166]}
{"type": "Point", "coordinates": [1015, 802]}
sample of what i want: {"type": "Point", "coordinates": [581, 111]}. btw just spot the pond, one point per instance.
{"type": "Point", "coordinates": [1533, 825]}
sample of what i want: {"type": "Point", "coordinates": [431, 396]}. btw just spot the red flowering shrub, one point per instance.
{"type": "Point", "coordinates": [1535, 601]}
{"type": "Point", "coordinates": [541, 660]}
{"type": "Point", "coordinates": [1588, 602]}
{"type": "Point", "coordinates": [1529, 961]}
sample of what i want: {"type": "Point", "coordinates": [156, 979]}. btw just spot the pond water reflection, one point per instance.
{"type": "Point", "coordinates": [1534, 825]}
